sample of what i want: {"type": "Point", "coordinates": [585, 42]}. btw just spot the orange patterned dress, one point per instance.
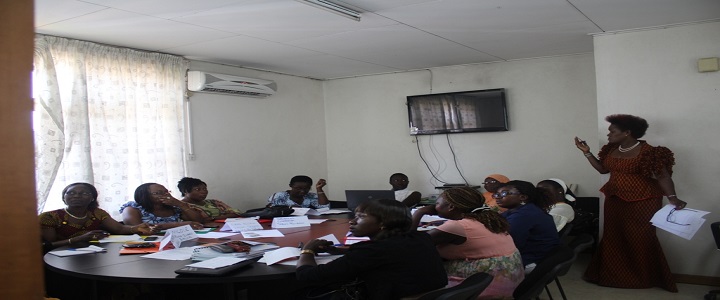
{"type": "Point", "coordinates": [629, 254]}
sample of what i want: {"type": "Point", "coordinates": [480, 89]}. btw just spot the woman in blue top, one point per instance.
{"type": "Point", "coordinates": [155, 206]}
{"type": "Point", "coordinates": [531, 227]}
{"type": "Point", "coordinates": [299, 194]}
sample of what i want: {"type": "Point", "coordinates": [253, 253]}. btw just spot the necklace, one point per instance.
{"type": "Point", "coordinates": [74, 216]}
{"type": "Point", "coordinates": [621, 149]}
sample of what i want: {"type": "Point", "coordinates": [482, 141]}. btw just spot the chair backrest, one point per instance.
{"type": "Point", "coordinates": [544, 273]}
{"type": "Point", "coordinates": [470, 288]}
{"type": "Point", "coordinates": [715, 227]}
{"type": "Point", "coordinates": [577, 245]}
{"type": "Point", "coordinates": [565, 231]}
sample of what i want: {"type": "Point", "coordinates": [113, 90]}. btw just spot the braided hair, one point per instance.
{"type": "Point", "coordinates": [472, 204]}
{"type": "Point", "coordinates": [534, 195]}
{"type": "Point", "coordinates": [394, 216]}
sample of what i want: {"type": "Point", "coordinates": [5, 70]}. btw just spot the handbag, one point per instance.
{"type": "Point", "coordinates": [268, 212]}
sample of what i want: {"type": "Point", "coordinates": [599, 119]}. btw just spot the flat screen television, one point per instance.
{"type": "Point", "coordinates": [470, 111]}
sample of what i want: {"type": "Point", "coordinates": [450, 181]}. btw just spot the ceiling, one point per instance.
{"type": "Point", "coordinates": [290, 37]}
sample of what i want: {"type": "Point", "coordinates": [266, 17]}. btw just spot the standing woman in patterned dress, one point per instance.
{"type": "Point", "coordinates": [629, 254]}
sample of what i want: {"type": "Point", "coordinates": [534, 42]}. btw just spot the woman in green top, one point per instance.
{"type": "Point", "coordinates": [194, 191]}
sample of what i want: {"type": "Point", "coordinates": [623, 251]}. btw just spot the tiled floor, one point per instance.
{"type": "Point", "coordinates": [577, 289]}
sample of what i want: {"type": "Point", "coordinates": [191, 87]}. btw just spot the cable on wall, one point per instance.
{"type": "Point", "coordinates": [417, 143]}
{"type": "Point", "coordinates": [447, 135]}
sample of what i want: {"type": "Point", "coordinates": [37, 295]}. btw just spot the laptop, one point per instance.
{"type": "Point", "coordinates": [356, 197]}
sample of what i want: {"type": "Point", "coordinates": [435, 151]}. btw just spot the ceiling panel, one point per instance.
{"type": "Point", "coordinates": [291, 37]}
{"type": "Point", "coordinates": [164, 8]}
{"type": "Point", "coordinates": [614, 15]}
{"type": "Point", "coordinates": [122, 28]}
{"type": "Point", "coordinates": [51, 11]}
{"type": "Point", "coordinates": [396, 46]}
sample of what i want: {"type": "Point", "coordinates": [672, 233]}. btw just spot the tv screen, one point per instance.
{"type": "Point", "coordinates": [470, 111]}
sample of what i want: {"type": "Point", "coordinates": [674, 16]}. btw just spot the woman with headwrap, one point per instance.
{"type": "Point", "coordinates": [492, 183]}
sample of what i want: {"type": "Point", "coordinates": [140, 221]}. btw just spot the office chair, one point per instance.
{"type": "Point", "coordinates": [577, 245]}
{"type": "Point", "coordinates": [565, 231]}
{"type": "Point", "coordinates": [715, 228]}
{"type": "Point", "coordinates": [544, 273]}
{"type": "Point", "coordinates": [469, 289]}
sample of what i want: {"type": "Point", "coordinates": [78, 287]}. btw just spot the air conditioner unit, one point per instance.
{"type": "Point", "coordinates": [230, 84]}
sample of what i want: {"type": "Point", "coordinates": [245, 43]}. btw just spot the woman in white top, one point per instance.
{"type": "Point", "coordinates": [399, 182]}
{"type": "Point", "coordinates": [558, 193]}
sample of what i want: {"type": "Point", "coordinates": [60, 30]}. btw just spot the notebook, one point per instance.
{"type": "Point", "coordinates": [357, 197]}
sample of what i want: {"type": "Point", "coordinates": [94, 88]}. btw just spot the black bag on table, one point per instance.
{"type": "Point", "coordinates": [268, 212]}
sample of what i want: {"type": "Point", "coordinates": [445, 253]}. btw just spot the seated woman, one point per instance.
{"type": "Point", "coordinates": [531, 227]}
{"type": "Point", "coordinates": [396, 262]}
{"type": "Point", "coordinates": [82, 220]}
{"type": "Point", "coordinates": [194, 192]}
{"type": "Point", "coordinates": [475, 239]}
{"type": "Point", "coordinates": [299, 194]}
{"type": "Point", "coordinates": [399, 182]}
{"type": "Point", "coordinates": [557, 192]}
{"type": "Point", "coordinates": [492, 183]}
{"type": "Point", "coordinates": [154, 205]}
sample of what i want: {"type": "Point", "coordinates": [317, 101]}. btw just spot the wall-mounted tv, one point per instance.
{"type": "Point", "coordinates": [470, 111]}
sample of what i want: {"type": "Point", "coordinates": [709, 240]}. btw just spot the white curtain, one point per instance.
{"type": "Point", "coordinates": [109, 116]}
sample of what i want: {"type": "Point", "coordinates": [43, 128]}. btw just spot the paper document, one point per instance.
{"type": "Point", "coordinates": [320, 259]}
{"type": "Point", "coordinates": [262, 234]}
{"type": "Point", "coordinates": [275, 256]}
{"type": "Point", "coordinates": [217, 235]}
{"type": "Point", "coordinates": [330, 238]}
{"type": "Point", "coordinates": [316, 221]}
{"type": "Point", "coordinates": [217, 262]}
{"type": "Point", "coordinates": [121, 239]}
{"type": "Point", "coordinates": [240, 225]}
{"type": "Point", "coordinates": [173, 254]}
{"type": "Point", "coordinates": [683, 223]}
{"type": "Point", "coordinates": [290, 222]}
{"type": "Point", "coordinates": [78, 251]}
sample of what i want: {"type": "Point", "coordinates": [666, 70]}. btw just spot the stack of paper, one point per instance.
{"type": "Point", "coordinates": [78, 251]}
{"type": "Point", "coordinates": [683, 223]}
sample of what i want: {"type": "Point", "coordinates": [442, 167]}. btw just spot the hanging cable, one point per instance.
{"type": "Point", "coordinates": [417, 143]}
{"type": "Point", "coordinates": [447, 135]}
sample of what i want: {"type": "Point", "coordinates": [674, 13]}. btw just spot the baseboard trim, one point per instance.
{"type": "Point", "coordinates": [697, 279]}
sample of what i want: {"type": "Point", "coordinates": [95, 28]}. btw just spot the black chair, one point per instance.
{"type": "Point", "coordinates": [715, 228]}
{"type": "Point", "coordinates": [577, 245]}
{"type": "Point", "coordinates": [469, 289]}
{"type": "Point", "coordinates": [544, 273]}
{"type": "Point", "coordinates": [565, 231]}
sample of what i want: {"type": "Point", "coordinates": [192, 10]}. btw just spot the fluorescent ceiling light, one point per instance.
{"type": "Point", "coordinates": [333, 8]}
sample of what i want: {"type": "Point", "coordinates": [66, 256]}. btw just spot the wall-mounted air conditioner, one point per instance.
{"type": "Point", "coordinates": [230, 84]}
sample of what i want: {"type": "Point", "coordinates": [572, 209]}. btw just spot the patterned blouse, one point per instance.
{"type": "Point", "coordinates": [59, 220]}
{"type": "Point", "coordinates": [283, 198]}
{"type": "Point", "coordinates": [214, 208]}
{"type": "Point", "coordinates": [633, 179]}
{"type": "Point", "coordinates": [150, 218]}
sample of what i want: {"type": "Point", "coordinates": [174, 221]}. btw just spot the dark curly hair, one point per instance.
{"type": "Point", "coordinates": [143, 196]}
{"type": "Point", "coordinates": [467, 199]}
{"type": "Point", "coordinates": [534, 195]}
{"type": "Point", "coordinates": [636, 125]}
{"type": "Point", "coordinates": [394, 216]}
{"type": "Point", "coordinates": [186, 184]}
{"type": "Point", "coordinates": [301, 178]}
{"type": "Point", "coordinates": [92, 205]}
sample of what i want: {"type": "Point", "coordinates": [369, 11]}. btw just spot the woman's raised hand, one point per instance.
{"type": "Point", "coordinates": [582, 145]}
{"type": "Point", "coordinates": [168, 199]}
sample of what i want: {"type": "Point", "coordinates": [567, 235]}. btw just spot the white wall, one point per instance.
{"type": "Point", "coordinates": [550, 100]}
{"type": "Point", "coordinates": [248, 148]}
{"type": "Point", "coordinates": [653, 74]}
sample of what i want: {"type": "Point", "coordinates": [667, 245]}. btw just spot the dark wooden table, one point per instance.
{"type": "Point", "coordinates": [110, 267]}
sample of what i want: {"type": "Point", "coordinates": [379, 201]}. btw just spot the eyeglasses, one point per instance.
{"type": "Point", "coordinates": [159, 193]}
{"type": "Point", "coordinates": [73, 193]}
{"type": "Point", "coordinates": [503, 194]}
{"type": "Point", "coordinates": [490, 181]}
{"type": "Point", "coordinates": [200, 189]}
{"type": "Point", "coordinates": [671, 218]}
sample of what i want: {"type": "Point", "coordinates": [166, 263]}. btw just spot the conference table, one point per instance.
{"type": "Point", "coordinates": [100, 270]}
